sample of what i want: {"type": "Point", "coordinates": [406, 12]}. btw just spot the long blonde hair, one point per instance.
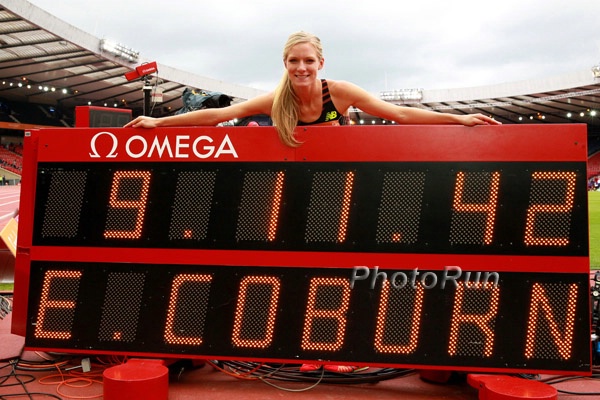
{"type": "Point", "coordinates": [285, 104]}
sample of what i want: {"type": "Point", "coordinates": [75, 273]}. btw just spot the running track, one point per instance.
{"type": "Point", "coordinates": [9, 202]}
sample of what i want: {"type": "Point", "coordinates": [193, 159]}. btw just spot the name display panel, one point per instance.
{"type": "Point", "coordinates": [431, 247]}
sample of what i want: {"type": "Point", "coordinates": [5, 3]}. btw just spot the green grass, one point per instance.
{"type": "Point", "coordinates": [594, 216]}
{"type": "Point", "coordinates": [6, 287]}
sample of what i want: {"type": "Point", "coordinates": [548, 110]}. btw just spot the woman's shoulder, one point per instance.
{"type": "Point", "coordinates": [345, 93]}
{"type": "Point", "coordinates": [335, 84]}
{"type": "Point", "coordinates": [342, 87]}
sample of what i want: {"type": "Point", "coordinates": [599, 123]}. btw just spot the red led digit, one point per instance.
{"type": "Point", "coordinates": [561, 331]}
{"type": "Point", "coordinates": [327, 306]}
{"type": "Point", "coordinates": [137, 203]}
{"type": "Point", "coordinates": [201, 283]}
{"type": "Point", "coordinates": [252, 327]}
{"type": "Point", "coordinates": [488, 207]}
{"type": "Point", "coordinates": [65, 283]}
{"type": "Point", "coordinates": [329, 207]}
{"type": "Point", "coordinates": [397, 320]}
{"type": "Point", "coordinates": [486, 305]}
{"type": "Point", "coordinates": [345, 211]}
{"type": "Point", "coordinates": [273, 220]}
{"type": "Point", "coordinates": [537, 209]}
{"type": "Point", "coordinates": [260, 205]}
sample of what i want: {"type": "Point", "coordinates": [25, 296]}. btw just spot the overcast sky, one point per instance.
{"type": "Point", "coordinates": [377, 44]}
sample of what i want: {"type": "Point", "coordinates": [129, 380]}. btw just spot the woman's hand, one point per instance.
{"type": "Point", "coordinates": [477, 119]}
{"type": "Point", "coordinates": [142, 122]}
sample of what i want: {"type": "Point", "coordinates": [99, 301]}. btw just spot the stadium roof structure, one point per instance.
{"type": "Point", "coordinates": [45, 60]}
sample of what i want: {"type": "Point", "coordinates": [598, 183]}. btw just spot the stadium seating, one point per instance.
{"type": "Point", "coordinates": [11, 160]}
{"type": "Point", "coordinates": [593, 168]}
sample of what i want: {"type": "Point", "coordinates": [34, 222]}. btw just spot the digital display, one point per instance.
{"type": "Point", "coordinates": [391, 250]}
{"type": "Point", "coordinates": [529, 321]}
{"type": "Point", "coordinates": [474, 207]}
{"type": "Point", "coordinates": [92, 116]}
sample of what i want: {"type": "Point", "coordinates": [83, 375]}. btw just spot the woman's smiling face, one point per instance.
{"type": "Point", "coordinates": [303, 64]}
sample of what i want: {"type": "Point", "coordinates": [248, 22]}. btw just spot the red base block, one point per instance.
{"type": "Point", "coordinates": [432, 375]}
{"type": "Point", "coordinates": [137, 380]}
{"type": "Point", "coordinates": [502, 387]}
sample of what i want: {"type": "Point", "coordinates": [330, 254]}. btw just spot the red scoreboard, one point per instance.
{"type": "Point", "coordinates": [441, 247]}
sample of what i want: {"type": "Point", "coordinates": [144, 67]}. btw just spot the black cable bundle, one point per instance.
{"type": "Point", "coordinates": [5, 307]}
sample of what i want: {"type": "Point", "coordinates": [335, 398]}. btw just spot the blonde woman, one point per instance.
{"type": "Point", "coordinates": [301, 98]}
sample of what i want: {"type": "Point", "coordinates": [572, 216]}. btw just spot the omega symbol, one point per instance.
{"type": "Point", "coordinates": [111, 153]}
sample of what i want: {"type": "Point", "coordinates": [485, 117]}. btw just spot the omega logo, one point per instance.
{"type": "Point", "coordinates": [178, 146]}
